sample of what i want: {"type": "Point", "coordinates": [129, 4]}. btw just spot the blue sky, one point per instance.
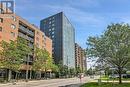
{"type": "Point", "coordinates": [89, 17]}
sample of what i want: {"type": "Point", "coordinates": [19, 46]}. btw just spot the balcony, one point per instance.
{"type": "Point", "coordinates": [25, 37]}
{"type": "Point", "coordinates": [26, 30]}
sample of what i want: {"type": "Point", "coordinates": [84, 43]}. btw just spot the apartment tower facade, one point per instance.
{"type": "Point", "coordinates": [80, 58]}
{"type": "Point", "coordinates": [62, 33]}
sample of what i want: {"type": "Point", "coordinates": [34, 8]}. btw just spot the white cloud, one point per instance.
{"type": "Point", "coordinates": [77, 15]}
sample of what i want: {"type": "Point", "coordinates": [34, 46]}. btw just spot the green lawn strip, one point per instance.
{"type": "Point", "coordinates": [116, 79]}
{"type": "Point", "coordinates": [94, 84]}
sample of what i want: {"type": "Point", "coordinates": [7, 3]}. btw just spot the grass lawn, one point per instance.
{"type": "Point", "coordinates": [115, 79]}
{"type": "Point", "coordinates": [106, 85]}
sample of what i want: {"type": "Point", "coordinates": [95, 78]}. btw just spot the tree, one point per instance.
{"type": "Point", "coordinates": [39, 63]}
{"type": "Point", "coordinates": [78, 70]}
{"type": "Point", "coordinates": [72, 71]}
{"type": "Point", "coordinates": [113, 47]}
{"type": "Point", "coordinates": [43, 61]}
{"type": "Point", "coordinates": [13, 54]}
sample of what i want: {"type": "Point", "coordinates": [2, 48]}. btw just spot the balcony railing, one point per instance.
{"type": "Point", "coordinates": [26, 30]}
{"type": "Point", "coordinates": [25, 37]}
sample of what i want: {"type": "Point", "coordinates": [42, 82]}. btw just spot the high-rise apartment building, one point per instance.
{"type": "Point", "coordinates": [62, 33]}
{"type": "Point", "coordinates": [80, 58]}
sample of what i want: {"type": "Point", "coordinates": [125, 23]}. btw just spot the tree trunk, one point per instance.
{"type": "Point", "coordinates": [120, 74]}
{"type": "Point", "coordinates": [45, 73]}
{"type": "Point", "coordinates": [40, 74]}
{"type": "Point", "coordinates": [16, 76]}
{"type": "Point", "coordinates": [9, 75]}
{"type": "Point", "coordinates": [27, 75]}
{"type": "Point", "coordinates": [30, 74]}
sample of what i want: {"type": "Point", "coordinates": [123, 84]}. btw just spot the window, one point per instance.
{"type": "Point", "coordinates": [43, 35]}
{"type": "Point", "coordinates": [53, 36]}
{"type": "Point", "coordinates": [0, 29]}
{"type": "Point", "coordinates": [1, 20]}
{"type": "Point", "coordinates": [42, 41]}
{"type": "Point", "coordinates": [43, 47]}
{"type": "Point", "coordinates": [53, 24]}
{"type": "Point", "coordinates": [37, 39]}
{"type": "Point", "coordinates": [37, 44]}
{"type": "Point", "coordinates": [37, 33]}
{"type": "Point", "coordinates": [45, 44]}
{"type": "Point", "coordinates": [50, 22]}
{"type": "Point", "coordinates": [45, 21]}
{"type": "Point", "coordinates": [1, 10]}
{"type": "Point", "coordinates": [14, 19]}
{"type": "Point", "coordinates": [53, 21]}
{"type": "Point", "coordinates": [53, 17]}
{"type": "Point", "coordinates": [49, 26]}
{"type": "Point", "coordinates": [45, 38]}
{"type": "Point", "coordinates": [49, 18]}
{"type": "Point", "coordinates": [12, 34]}
{"type": "Point", "coordinates": [49, 29]}
{"type": "Point", "coordinates": [53, 28]}
{"type": "Point", "coordinates": [52, 33]}
{"type": "Point", "coordinates": [13, 26]}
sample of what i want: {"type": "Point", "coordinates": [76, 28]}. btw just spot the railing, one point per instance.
{"type": "Point", "coordinates": [26, 37]}
{"type": "Point", "coordinates": [26, 30]}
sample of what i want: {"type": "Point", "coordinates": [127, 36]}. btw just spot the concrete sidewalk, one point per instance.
{"type": "Point", "coordinates": [68, 82]}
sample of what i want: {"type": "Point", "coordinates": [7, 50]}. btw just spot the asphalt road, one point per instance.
{"type": "Point", "coordinates": [70, 82]}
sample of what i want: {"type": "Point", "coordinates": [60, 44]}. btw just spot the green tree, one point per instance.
{"type": "Point", "coordinates": [72, 72]}
{"type": "Point", "coordinates": [113, 47]}
{"type": "Point", "coordinates": [13, 54]}
{"type": "Point", "coordinates": [43, 61]}
{"type": "Point", "coordinates": [78, 70]}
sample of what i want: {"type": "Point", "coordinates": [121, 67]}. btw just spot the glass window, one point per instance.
{"type": "Point", "coordinates": [13, 26]}
{"type": "Point", "coordinates": [42, 41]}
{"type": "Point", "coordinates": [37, 39]}
{"type": "Point", "coordinates": [12, 34]}
{"type": "Point", "coordinates": [37, 44]}
{"type": "Point", "coordinates": [1, 20]}
{"type": "Point", "coordinates": [49, 29]}
{"type": "Point", "coordinates": [43, 36]}
{"type": "Point", "coordinates": [53, 17]}
{"type": "Point", "coordinates": [50, 22]}
{"type": "Point", "coordinates": [49, 26]}
{"type": "Point", "coordinates": [53, 36]}
{"type": "Point", "coordinates": [0, 29]}
{"type": "Point", "coordinates": [14, 19]}
{"type": "Point", "coordinates": [49, 18]}
{"type": "Point", "coordinates": [53, 21]}
{"type": "Point", "coordinates": [37, 33]}
{"type": "Point", "coordinates": [53, 28]}
{"type": "Point", "coordinates": [1, 10]}
{"type": "Point", "coordinates": [53, 32]}
{"type": "Point", "coordinates": [53, 24]}
{"type": "Point", "coordinates": [44, 21]}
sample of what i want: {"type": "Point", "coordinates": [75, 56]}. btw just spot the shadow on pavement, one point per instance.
{"type": "Point", "coordinates": [72, 85]}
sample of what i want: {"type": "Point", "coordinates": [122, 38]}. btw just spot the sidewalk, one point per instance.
{"type": "Point", "coordinates": [34, 82]}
